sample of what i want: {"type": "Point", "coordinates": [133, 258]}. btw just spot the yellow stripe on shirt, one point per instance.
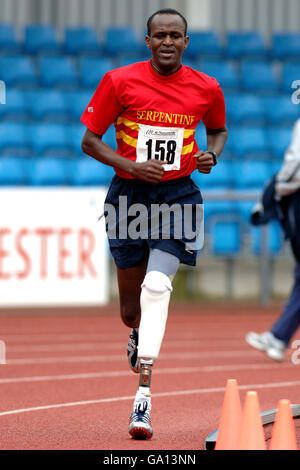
{"type": "Point", "coordinates": [127, 139]}
{"type": "Point", "coordinates": [187, 148]}
{"type": "Point", "coordinates": [128, 123]}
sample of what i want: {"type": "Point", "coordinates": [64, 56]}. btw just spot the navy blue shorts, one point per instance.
{"type": "Point", "coordinates": [135, 223]}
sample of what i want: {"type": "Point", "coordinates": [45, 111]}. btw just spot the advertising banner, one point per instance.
{"type": "Point", "coordinates": [53, 248]}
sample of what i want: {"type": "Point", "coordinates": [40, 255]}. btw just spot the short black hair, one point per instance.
{"type": "Point", "coordinates": [166, 11]}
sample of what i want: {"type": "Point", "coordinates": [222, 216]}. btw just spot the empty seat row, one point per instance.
{"type": "Point", "coordinates": [250, 175]}
{"type": "Point", "coordinates": [53, 71]}
{"type": "Point", "coordinates": [230, 238]}
{"type": "Point", "coordinates": [253, 110]}
{"type": "Point", "coordinates": [51, 104]}
{"type": "Point", "coordinates": [44, 139]}
{"type": "Point", "coordinates": [54, 171]}
{"type": "Point", "coordinates": [46, 104]}
{"type": "Point", "coordinates": [228, 231]}
{"type": "Point", "coordinates": [35, 38]}
{"type": "Point", "coordinates": [86, 72]}
{"type": "Point", "coordinates": [253, 75]}
{"type": "Point", "coordinates": [50, 137]}
{"type": "Point", "coordinates": [247, 174]}
{"type": "Point", "coordinates": [245, 142]}
{"type": "Point", "coordinates": [224, 221]}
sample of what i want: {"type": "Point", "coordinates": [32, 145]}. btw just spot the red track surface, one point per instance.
{"type": "Point", "coordinates": [67, 385]}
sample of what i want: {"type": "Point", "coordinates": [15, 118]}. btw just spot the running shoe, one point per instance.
{"type": "Point", "coordinates": [140, 426]}
{"type": "Point", "coordinates": [132, 351]}
{"type": "Point", "coordinates": [268, 343]}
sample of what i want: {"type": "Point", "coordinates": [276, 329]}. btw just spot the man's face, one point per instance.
{"type": "Point", "coordinates": [167, 42]}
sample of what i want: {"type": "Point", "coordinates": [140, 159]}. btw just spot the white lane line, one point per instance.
{"type": "Point", "coordinates": [158, 371]}
{"type": "Point", "coordinates": [115, 357]}
{"type": "Point", "coordinates": [110, 345]}
{"type": "Point", "coordinates": [55, 337]}
{"type": "Point", "coordinates": [154, 395]}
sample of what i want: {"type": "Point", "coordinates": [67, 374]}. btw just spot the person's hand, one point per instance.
{"type": "Point", "coordinates": [151, 171]}
{"type": "Point", "coordinates": [205, 161]}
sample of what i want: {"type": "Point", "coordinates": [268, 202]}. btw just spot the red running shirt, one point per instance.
{"type": "Point", "coordinates": [155, 116]}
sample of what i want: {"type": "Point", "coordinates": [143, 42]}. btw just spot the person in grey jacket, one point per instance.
{"type": "Point", "coordinates": [287, 185]}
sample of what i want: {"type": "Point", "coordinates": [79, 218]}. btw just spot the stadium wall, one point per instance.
{"type": "Point", "coordinates": [265, 16]}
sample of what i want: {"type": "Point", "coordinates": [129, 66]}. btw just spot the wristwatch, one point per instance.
{"type": "Point", "coordinates": [214, 155]}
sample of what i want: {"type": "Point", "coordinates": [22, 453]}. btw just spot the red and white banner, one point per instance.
{"type": "Point", "coordinates": [53, 249]}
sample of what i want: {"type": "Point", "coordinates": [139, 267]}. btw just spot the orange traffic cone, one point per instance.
{"type": "Point", "coordinates": [284, 432]}
{"type": "Point", "coordinates": [231, 416]}
{"type": "Point", "coordinates": [252, 433]}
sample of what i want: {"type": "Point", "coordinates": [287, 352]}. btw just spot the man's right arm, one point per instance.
{"type": "Point", "coordinates": [151, 171]}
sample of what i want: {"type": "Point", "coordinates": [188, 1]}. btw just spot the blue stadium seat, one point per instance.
{"type": "Point", "coordinates": [249, 142]}
{"type": "Point", "coordinates": [16, 106]}
{"type": "Point", "coordinates": [49, 105]}
{"type": "Point", "coordinates": [285, 45]}
{"type": "Point", "coordinates": [245, 109]}
{"type": "Point", "coordinates": [14, 139]}
{"type": "Point", "coordinates": [41, 38]}
{"type": "Point", "coordinates": [290, 74]}
{"type": "Point", "coordinates": [74, 136]}
{"type": "Point", "coordinates": [275, 239]}
{"type": "Point", "coordinates": [219, 177]}
{"type": "Point", "coordinates": [252, 174]}
{"type": "Point", "coordinates": [18, 71]}
{"type": "Point", "coordinates": [77, 102]}
{"type": "Point", "coordinates": [201, 139]}
{"type": "Point", "coordinates": [51, 138]}
{"type": "Point", "coordinates": [217, 209]}
{"type": "Point", "coordinates": [245, 208]}
{"type": "Point", "coordinates": [280, 110]}
{"type": "Point", "coordinates": [259, 77]}
{"type": "Point", "coordinates": [76, 132]}
{"type": "Point", "coordinates": [49, 171]}
{"type": "Point", "coordinates": [279, 141]}
{"type": "Point", "coordinates": [58, 71]}
{"type": "Point", "coordinates": [92, 70]}
{"type": "Point", "coordinates": [13, 171]}
{"type": "Point", "coordinates": [110, 137]}
{"type": "Point", "coordinates": [200, 136]}
{"type": "Point", "coordinates": [81, 40]}
{"type": "Point", "coordinates": [119, 40]}
{"type": "Point", "coordinates": [226, 237]}
{"type": "Point", "coordinates": [8, 38]}
{"type": "Point", "coordinates": [241, 45]}
{"type": "Point", "coordinates": [225, 72]}
{"type": "Point", "coordinates": [203, 44]}
{"type": "Point", "coordinates": [89, 172]}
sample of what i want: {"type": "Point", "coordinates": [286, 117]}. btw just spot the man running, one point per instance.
{"type": "Point", "coordinates": [155, 106]}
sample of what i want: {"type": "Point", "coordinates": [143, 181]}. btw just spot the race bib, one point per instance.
{"type": "Point", "coordinates": [160, 143]}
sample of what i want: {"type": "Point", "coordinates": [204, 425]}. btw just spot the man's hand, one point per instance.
{"type": "Point", "coordinates": [205, 161]}
{"type": "Point", "coordinates": [151, 171]}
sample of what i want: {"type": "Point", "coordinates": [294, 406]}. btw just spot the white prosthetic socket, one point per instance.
{"type": "Point", "coordinates": [155, 297]}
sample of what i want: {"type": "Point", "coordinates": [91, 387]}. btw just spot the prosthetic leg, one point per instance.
{"type": "Point", "coordinates": [155, 297]}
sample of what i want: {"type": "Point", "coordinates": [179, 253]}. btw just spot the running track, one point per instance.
{"type": "Point", "coordinates": [67, 385]}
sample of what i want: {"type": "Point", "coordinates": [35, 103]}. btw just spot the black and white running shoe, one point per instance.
{"type": "Point", "coordinates": [132, 351]}
{"type": "Point", "coordinates": [140, 426]}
